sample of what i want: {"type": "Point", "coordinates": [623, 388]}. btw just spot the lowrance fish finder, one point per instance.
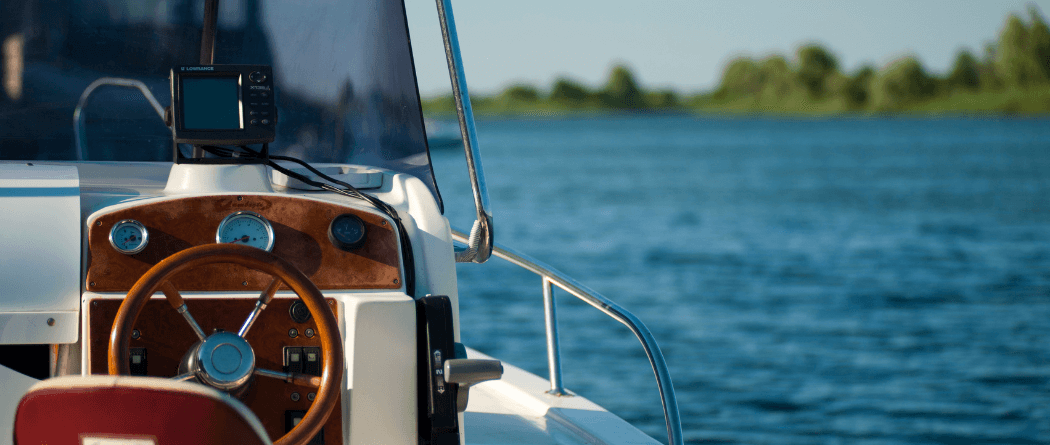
{"type": "Point", "coordinates": [223, 104]}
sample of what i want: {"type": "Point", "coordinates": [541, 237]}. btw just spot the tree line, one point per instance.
{"type": "Point", "coordinates": [620, 92]}
{"type": "Point", "coordinates": [1012, 75]}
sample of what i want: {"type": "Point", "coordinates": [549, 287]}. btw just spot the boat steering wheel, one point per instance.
{"type": "Point", "coordinates": [225, 360]}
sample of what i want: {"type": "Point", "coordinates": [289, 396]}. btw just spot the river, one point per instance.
{"type": "Point", "coordinates": [882, 281]}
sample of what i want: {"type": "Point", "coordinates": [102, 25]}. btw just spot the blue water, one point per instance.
{"type": "Point", "coordinates": [880, 281]}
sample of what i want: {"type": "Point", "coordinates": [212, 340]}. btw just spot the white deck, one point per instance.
{"type": "Point", "coordinates": [517, 410]}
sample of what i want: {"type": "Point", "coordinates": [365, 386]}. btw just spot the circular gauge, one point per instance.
{"type": "Point", "coordinates": [128, 237]}
{"type": "Point", "coordinates": [347, 232]}
{"type": "Point", "coordinates": [247, 228]}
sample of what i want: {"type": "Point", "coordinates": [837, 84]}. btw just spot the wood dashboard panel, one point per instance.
{"type": "Point", "coordinates": [167, 337]}
{"type": "Point", "coordinates": [300, 229]}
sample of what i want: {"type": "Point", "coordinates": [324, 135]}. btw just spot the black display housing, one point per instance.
{"type": "Point", "coordinates": [223, 104]}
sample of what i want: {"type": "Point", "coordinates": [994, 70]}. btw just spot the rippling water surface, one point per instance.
{"type": "Point", "coordinates": [809, 281]}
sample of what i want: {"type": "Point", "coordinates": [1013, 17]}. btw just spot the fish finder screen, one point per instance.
{"type": "Point", "coordinates": [211, 103]}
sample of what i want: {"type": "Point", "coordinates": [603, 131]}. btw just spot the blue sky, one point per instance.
{"type": "Point", "coordinates": [684, 44]}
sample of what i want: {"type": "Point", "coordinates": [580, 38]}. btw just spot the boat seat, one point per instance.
{"type": "Point", "coordinates": [125, 410]}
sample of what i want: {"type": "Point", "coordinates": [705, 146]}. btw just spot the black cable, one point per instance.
{"type": "Point", "coordinates": [350, 191]}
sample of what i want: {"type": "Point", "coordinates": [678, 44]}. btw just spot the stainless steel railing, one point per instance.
{"type": "Point", "coordinates": [78, 112]}
{"type": "Point", "coordinates": [552, 277]}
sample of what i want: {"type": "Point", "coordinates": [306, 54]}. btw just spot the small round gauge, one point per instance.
{"type": "Point", "coordinates": [347, 232]}
{"type": "Point", "coordinates": [247, 228]}
{"type": "Point", "coordinates": [128, 237]}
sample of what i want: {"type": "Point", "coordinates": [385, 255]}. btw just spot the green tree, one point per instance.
{"type": "Point", "coordinates": [1015, 59]}
{"type": "Point", "coordinates": [522, 93]}
{"type": "Point", "coordinates": [986, 70]}
{"type": "Point", "coordinates": [569, 92]}
{"type": "Point", "coordinates": [742, 77]}
{"type": "Point", "coordinates": [966, 72]}
{"type": "Point", "coordinates": [621, 91]}
{"type": "Point", "coordinates": [665, 99]}
{"type": "Point", "coordinates": [858, 88]}
{"type": "Point", "coordinates": [815, 64]}
{"type": "Point", "coordinates": [776, 78]}
{"type": "Point", "coordinates": [904, 82]}
{"type": "Point", "coordinates": [1039, 41]}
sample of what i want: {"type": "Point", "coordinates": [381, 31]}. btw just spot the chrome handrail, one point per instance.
{"type": "Point", "coordinates": [479, 246]}
{"type": "Point", "coordinates": [552, 276]}
{"type": "Point", "coordinates": [78, 112]}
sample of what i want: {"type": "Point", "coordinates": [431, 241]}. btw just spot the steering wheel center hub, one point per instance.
{"type": "Point", "coordinates": [223, 360]}
{"type": "Point", "coordinates": [226, 358]}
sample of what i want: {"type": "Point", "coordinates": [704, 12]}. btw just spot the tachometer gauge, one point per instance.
{"type": "Point", "coordinates": [128, 237]}
{"type": "Point", "coordinates": [248, 228]}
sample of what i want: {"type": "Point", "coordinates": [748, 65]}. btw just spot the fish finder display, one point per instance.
{"type": "Point", "coordinates": [210, 103]}
{"type": "Point", "coordinates": [223, 104]}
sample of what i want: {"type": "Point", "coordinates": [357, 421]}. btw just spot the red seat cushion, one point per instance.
{"type": "Point", "coordinates": [132, 411]}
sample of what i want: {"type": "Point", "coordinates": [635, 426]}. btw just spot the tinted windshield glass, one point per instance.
{"type": "Point", "coordinates": [346, 89]}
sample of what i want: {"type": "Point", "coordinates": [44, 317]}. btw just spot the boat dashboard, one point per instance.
{"type": "Point", "coordinates": [337, 247]}
{"type": "Point", "coordinates": [340, 248]}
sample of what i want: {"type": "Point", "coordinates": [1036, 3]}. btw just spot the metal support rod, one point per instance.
{"type": "Point", "coordinates": [550, 312]}
{"type": "Point", "coordinates": [656, 358]}
{"type": "Point", "coordinates": [479, 247]}
{"type": "Point", "coordinates": [208, 29]}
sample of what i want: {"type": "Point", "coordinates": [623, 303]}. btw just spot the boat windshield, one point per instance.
{"type": "Point", "coordinates": [345, 83]}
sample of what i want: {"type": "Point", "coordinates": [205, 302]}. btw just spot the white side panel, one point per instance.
{"type": "Point", "coordinates": [435, 261]}
{"type": "Point", "coordinates": [381, 368]}
{"type": "Point", "coordinates": [38, 327]}
{"type": "Point", "coordinates": [13, 386]}
{"type": "Point", "coordinates": [39, 253]}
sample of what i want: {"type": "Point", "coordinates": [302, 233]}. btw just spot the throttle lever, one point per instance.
{"type": "Point", "coordinates": [467, 372]}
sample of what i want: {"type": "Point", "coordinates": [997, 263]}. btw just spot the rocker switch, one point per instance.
{"type": "Point", "coordinates": [137, 361]}
{"type": "Point", "coordinates": [293, 359]}
{"type": "Point", "coordinates": [312, 361]}
{"type": "Point", "coordinates": [292, 418]}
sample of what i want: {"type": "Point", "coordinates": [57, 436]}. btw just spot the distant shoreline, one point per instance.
{"type": "Point", "coordinates": [1011, 78]}
{"type": "Point", "coordinates": [1004, 103]}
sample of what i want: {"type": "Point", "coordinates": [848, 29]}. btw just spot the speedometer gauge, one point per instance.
{"type": "Point", "coordinates": [247, 228]}
{"type": "Point", "coordinates": [128, 237]}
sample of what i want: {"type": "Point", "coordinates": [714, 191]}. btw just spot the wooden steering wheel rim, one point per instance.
{"type": "Point", "coordinates": [256, 259]}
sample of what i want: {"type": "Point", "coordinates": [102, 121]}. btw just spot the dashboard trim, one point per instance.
{"type": "Point", "coordinates": [300, 236]}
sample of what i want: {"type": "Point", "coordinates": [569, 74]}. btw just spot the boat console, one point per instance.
{"type": "Point", "coordinates": [125, 242]}
{"type": "Point", "coordinates": [269, 248]}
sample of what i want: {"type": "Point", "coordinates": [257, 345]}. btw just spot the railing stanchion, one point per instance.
{"type": "Point", "coordinates": [550, 311]}
{"type": "Point", "coordinates": [656, 358]}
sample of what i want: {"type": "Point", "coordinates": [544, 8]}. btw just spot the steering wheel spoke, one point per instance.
{"type": "Point", "coordinates": [184, 377]}
{"type": "Point", "coordinates": [291, 377]}
{"type": "Point", "coordinates": [176, 301]}
{"type": "Point", "coordinates": [264, 299]}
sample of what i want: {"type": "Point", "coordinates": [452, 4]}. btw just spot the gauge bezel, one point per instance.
{"type": "Point", "coordinates": [342, 245]}
{"type": "Point", "coordinates": [249, 215]}
{"type": "Point", "coordinates": [129, 222]}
